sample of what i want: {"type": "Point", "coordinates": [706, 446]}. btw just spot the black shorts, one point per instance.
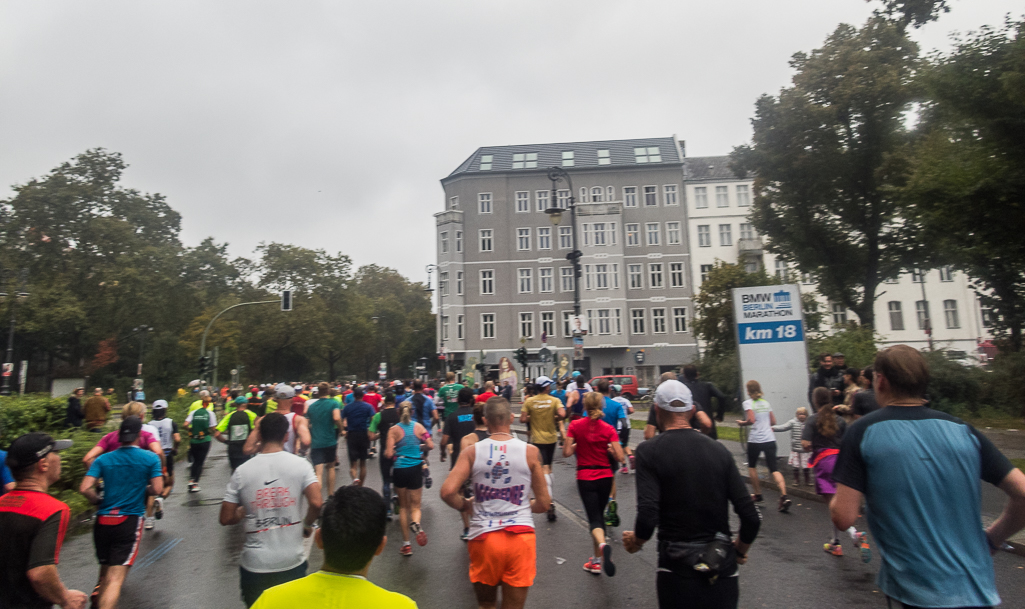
{"type": "Point", "coordinates": [169, 462]}
{"type": "Point", "coordinates": [410, 478]}
{"type": "Point", "coordinates": [547, 453]}
{"type": "Point", "coordinates": [358, 444]}
{"type": "Point", "coordinates": [756, 448]}
{"type": "Point", "coordinates": [117, 539]}
{"type": "Point", "coordinates": [624, 436]}
{"type": "Point", "coordinates": [328, 454]}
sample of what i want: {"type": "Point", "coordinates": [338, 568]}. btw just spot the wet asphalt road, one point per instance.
{"type": "Point", "coordinates": [190, 561]}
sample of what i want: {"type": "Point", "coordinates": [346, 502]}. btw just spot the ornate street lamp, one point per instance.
{"type": "Point", "coordinates": [556, 174]}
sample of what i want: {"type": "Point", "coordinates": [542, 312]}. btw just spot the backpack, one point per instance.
{"type": "Point", "coordinates": [239, 427]}
{"type": "Point", "coordinates": [200, 424]}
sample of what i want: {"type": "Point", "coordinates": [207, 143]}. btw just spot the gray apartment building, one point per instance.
{"type": "Point", "coordinates": [505, 279]}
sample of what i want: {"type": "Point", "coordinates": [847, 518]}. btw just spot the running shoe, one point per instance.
{"type": "Point", "coordinates": [195, 487]}
{"type": "Point", "coordinates": [406, 549]}
{"type": "Point", "coordinates": [356, 482]}
{"type": "Point", "coordinates": [592, 566]}
{"type": "Point", "coordinates": [421, 536]}
{"type": "Point", "coordinates": [149, 523]}
{"type": "Point", "coordinates": [757, 498]}
{"type": "Point", "coordinates": [428, 481]}
{"type": "Point", "coordinates": [862, 540]}
{"type": "Point", "coordinates": [784, 504]}
{"type": "Point", "coordinates": [158, 508]}
{"type": "Point", "coordinates": [624, 470]}
{"type": "Point", "coordinates": [833, 548]}
{"type": "Point", "coordinates": [466, 535]}
{"type": "Point", "coordinates": [611, 517]}
{"type": "Point", "coordinates": [633, 462]}
{"type": "Point", "coordinates": [552, 516]}
{"type": "Point", "coordinates": [606, 559]}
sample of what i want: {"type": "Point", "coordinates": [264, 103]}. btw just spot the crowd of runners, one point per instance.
{"type": "Point", "coordinates": [905, 462]}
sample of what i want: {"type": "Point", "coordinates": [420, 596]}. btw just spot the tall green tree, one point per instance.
{"type": "Point", "coordinates": [828, 154]}
{"type": "Point", "coordinates": [714, 320]}
{"type": "Point", "coordinates": [967, 187]}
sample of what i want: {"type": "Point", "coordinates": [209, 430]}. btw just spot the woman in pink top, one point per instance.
{"type": "Point", "coordinates": [592, 439]}
{"type": "Point", "coordinates": [110, 441]}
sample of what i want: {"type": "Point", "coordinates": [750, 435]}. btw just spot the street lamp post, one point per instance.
{"type": "Point", "coordinates": [142, 331]}
{"type": "Point", "coordinates": [19, 295]}
{"type": "Point", "coordinates": [555, 174]}
{"type": "Point", "coordinates": [441, 312]}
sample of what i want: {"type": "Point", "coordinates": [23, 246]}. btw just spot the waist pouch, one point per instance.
{"type": "Point", "coordinates": [704, 560]}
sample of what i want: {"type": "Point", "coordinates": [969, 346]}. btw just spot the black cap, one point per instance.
{"type": "Point", "coordinates": [32, 447]}
{"type": "Point", "coordinates": [130, 429]}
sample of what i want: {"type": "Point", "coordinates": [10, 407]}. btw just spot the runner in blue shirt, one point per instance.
{"type": "Point", "coordinates": [356, 420]}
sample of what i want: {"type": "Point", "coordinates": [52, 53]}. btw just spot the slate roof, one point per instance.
{"type": "Point", "coordinates": [709, 168]}
{"type": "Point", "coordinates": [621, 153]}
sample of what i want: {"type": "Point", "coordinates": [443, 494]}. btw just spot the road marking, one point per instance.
{"type": "Point", "coordinates": [157, 553]}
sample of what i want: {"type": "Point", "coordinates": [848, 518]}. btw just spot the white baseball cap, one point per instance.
{"type": "Point", "coordinates": [674, 396]}
{"type": "Point", "coordinates": [284, 391]}
{"type": "Point", "coordinates": [542, 381]}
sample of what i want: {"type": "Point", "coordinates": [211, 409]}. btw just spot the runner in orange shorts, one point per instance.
{"type": "Point", "coordinates": [503, 472]}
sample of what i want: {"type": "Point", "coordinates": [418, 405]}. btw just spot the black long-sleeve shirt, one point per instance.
{"type": "Point", "coordinates": [685, 483]}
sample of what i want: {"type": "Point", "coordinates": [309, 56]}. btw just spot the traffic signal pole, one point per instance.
{"type": "Point", "coordinates": [202, 342]}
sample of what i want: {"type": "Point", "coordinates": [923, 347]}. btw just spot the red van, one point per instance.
{"type": "Point", "coordinates": [628, 381]}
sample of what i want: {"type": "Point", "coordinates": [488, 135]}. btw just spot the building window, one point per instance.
{"type": "Point", "coordinates": [596, 194]}
{"type": "Point", "coordinates": [522, 202]}
{"type": "Point", "coordinates": [676, 275]}
{"type": "Point", "coordinates": [562, 198]}
{"type": "Point", "coordinates": [722, 196]}
{"type": "Point", "coordinates": [946, 273]}
{"type": "Point", "coordinates": [950, 314]}
{"type": "Point", "coordinates": [459, 327]}
{"type": "Point", "coordinates": [679, 319]}
{"type": "Point", "coordinates": [544, 238]}
{"type": "Point", "coordinates": [988, 317]}
{"type": "Point", "coordinates": [807, 278]}
{"type": "Point", "coordinates": [545, 280]}
{"type": "Point", "coordinates": [487, 325]}
{"type": "Point", "coordinates": [487, 282]}
{"type": "Point", "coordinates": [629, 196]}
{"type": "Point", "coordinates": [486, 243]}
{"type": "Point", "coordinates": [637, 321]}
{"type": "Point", "coordinates": [485, 161]}
{"type": "Point", "coordinates": [650, 196]}
{"type": "Point", "coordinates": [567, 159]}
{"type": "Point", "coordinates": [548, 324]}
{"type": "Point", "coordinates": [649, 154]}
{"type": "Point", "coordinates": [453, 202]}
{"type": "Point", "coordinates": [725, 235]}
{"type": "Point", "coordinates": [633, 234]}
{"type": "Point", "coordinates": [653, 232]}
{"type": "Point", "coordinates": [526, 325]}
{"type": "Point", "coordinates": [892, 280]}
{"type": "Point", "coordinates": [839, 312]}
{"type": "Point", "coordinates": [583, 195]}
{"type": "Point", "coordinates": [523, 239]}
{"type": "Point", "coordinates": [444, 327]}
{"type": "Point", "coordinates": [743, 195]}
{"type": "Point", "coordinates": [459, 241]}
{"type": "Point", "coordinates": [567, 317]}
{"type": "Point", "coordinates": [704, 235]}
{"type": "Point", "coordinates": [565, 237]}
{"type": "Point", "coordinates": [484, 202]}
{"type": "Point", "coordinates": [896, 315]}
{"type": "Point", "coordinates": [443, 283]}
{"type": "Point", "coordinates": [444, 242]}
{"type": "Point", "coordinates": [705, 270]}
{"type": "Point", "coordinates": [604, 321]}
{"type": "Point", "coordinates": [747, 230]}
{"type": "Point", "coordinates": [525, 160]}
{"type": "Point", "coordinates": [701, 197]}
{"type": "Point", "coordinates": [541, 197]}
{"type": "Point", "coordinates": [604, 157]}
{"type": "Point", "coordinates": [670, 194]}
{"type": "Point", "coordinates": [782, 271]}
{"type": "Point", "coordinates": [917, 276]}
{"type": "Point", "coordinates": [922, 313]}
{"type": "Point", "coordinates": [526, 283]}
{"type": "Point", "coordinates": [601, 276]}
{"type": "Point", "coordinates": [658, 321]}
{"type": "Point", "coordinates": [610, 193]}
{"type": "Point", "coordinates": [459, 283]}
{"type": "Point", "coordinates": [566, 279]}
{"type": "Point", "coordinates": [636, 275]}
{"type": "Point", "coordinates": [673, 234]}
{"type": "Point", "coordinates": [751, 266]}
{"type": "Point", "coordinates": [655, 275]}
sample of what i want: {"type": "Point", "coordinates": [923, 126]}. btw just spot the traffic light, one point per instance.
{"type": "Point", "coordinates": [521, 356]}
{"type": "Point", "coordinates": [204, 366]}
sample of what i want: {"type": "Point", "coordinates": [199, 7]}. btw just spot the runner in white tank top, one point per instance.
{"type": "Point", "coordinates": [501, 486]}
{"type": "Point", "coordinates": [290, 438]}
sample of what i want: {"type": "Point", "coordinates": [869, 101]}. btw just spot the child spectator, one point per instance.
{"type": "Point", "coordinates": [799, 458]}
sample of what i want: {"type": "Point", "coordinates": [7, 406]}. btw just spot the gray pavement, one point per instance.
{"type": "Point", "coordinates": [190, 561]}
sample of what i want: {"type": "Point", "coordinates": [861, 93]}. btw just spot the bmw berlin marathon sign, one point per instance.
{"type": "Point", "coordinates": [770, 341]}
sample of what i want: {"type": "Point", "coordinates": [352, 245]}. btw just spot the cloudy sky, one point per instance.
{"type": "Point", "coordinates": [329, 124]}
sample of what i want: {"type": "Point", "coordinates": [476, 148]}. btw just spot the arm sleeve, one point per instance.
{"type": "Point", "coordinates": [232, 494]}
{"type": "Point", "coordinates": [651, 417]}
{"type": "Point", "coordinates": [96, 469]}
{"type": "Point", "coordinates": [784, 427]}
{"type": "Point", "coordinates": [188, 419]}
{"type": "Point", "coordinates": [374, 422]}
{"type": "Point", "coordinates": [213, 419]}
{"type": "Point", "coordinates": [46, 545]}
{"type": "Point", "coordinates": [995, 465]}
{"type": "Point", "coordinates": [850, 467]}
{"type": "Point", "coordinates": [222, 425]}
{"type": "Point", "coordinates": [743, 506]}
{"type": "Point", "coordinates": [648, 493]}
{"type": "Point", "coordinates": [310, 476]}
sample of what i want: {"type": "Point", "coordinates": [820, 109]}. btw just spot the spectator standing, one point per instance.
{"type": "Point", "coordinates": [864, 401]}
{"type": "Point", "coordinates": [800, 459]}
{"type": "Point", "coordinates": [920, 471]}
{"type": "Point", "coordinates": [96, 410]}
{"type": "Point", "coordinates": [850, 386]}
{"type": "Point", "coordinates": [826, 376]}
{"type": "Point", "coordinates": [74, 415]}
{"type": "Point", "coordinates": [33, 525]}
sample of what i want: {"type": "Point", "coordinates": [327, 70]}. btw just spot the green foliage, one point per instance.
{"type": "Point", "coordinates": [915, 13]}
{"type": "Point", "coordinates": [723, 372]}
{"type": "Point", "coordinates": [714, 321]}
{"type": "Point", "coordinates": [33, 412]}
{"type": "Point", "coordinates": [953, 386]}
{"type": "Point", "coordinates": [827, 154]}
{"type": "Point", "coordinates": [858, 343]}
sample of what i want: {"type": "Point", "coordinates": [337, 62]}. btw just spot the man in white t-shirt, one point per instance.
{"type": "Point", "coordinates": [270, 492]}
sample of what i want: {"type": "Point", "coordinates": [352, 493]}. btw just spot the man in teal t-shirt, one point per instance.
{"type": "Point", "coordinates": [325, 423]}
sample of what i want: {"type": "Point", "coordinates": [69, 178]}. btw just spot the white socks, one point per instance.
{"type": "Point", "coordinates": [853, 532]}
{"type": "Point", "coordinates": [548, 482]}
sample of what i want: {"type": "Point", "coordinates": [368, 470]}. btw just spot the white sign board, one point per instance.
{"type": "Point", "coordinates": [770, 341]}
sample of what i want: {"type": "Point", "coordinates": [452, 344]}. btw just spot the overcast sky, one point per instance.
{"type": "Point", "coordinates": [330, 124]}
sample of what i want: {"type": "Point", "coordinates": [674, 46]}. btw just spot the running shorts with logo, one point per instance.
{"type": "Point", "coordinates": [504, 557]}
{"type": "Point", "coordinates": [117, 539]}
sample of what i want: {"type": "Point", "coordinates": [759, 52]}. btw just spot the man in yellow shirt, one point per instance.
{"type": "Point", "coordinates": [543, 411]}
{"type": "Point", "coordinates": [351, 533]}
{"type": "Point", "coordinates": [204, 401]}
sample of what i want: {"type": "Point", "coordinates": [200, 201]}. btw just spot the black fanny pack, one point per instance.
{"type": "Point", "coordinates": [705, 560]}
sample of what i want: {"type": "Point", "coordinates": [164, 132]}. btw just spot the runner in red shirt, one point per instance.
{"type": "Point", "coordinates": [489, 392]}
